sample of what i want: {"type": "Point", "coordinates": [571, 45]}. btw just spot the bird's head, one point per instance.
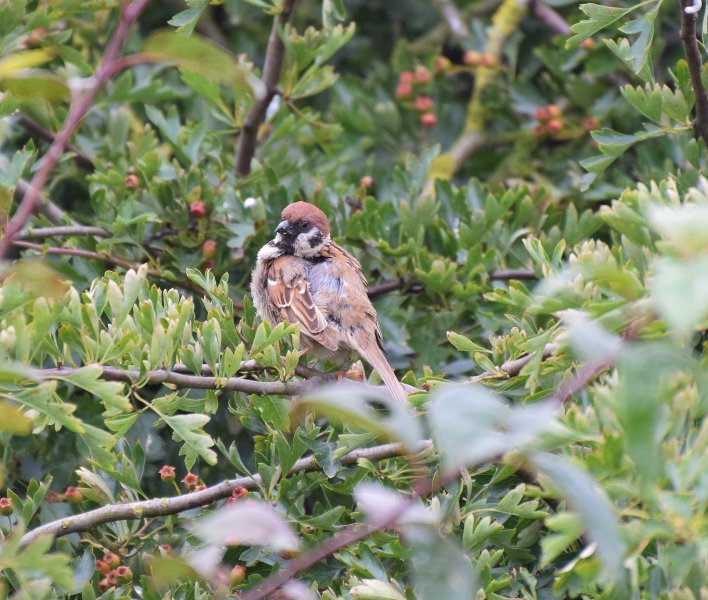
{"type": "Point", "coordinates": [303, 231]}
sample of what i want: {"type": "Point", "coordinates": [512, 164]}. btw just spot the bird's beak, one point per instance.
{"type": "Point", "coordinates": [282, 226]}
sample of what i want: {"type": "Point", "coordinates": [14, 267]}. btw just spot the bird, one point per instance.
{"type": "Point", "coordinates": [302, 276]}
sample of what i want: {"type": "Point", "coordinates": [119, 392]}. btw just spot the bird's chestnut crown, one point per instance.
{"type": "Point", "coordinates": [303, 231]}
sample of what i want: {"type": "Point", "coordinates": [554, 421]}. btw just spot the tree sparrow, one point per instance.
{"type": "Point", "coordinates": [302, 276]}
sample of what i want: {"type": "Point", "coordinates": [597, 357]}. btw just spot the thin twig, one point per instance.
{"type": "Point", "coordinates": [44, 206]}
{"type": "Point", "coordinates": [549, 17]}
{"type": "Point", "coordinates": [40, 131]}
{"type": "Point", "coordinates": [113, 260]}
{"type": "Point", "coordinates": [514, 274]}
{"type": "Point", "coordinates": [453, 18]}
{"type": "Point", "coordinates": [157, 507]}
{"type": "Point", "coordinates": [695, 65]}
{"type": "Point", "coordinates": [79, 107]}
{"type": "Point", "coordinates": [61, 231]}
{"type": "Point", "coordinates": [512, 368]}
{"type": "Point", "coordinates": [271, 77]}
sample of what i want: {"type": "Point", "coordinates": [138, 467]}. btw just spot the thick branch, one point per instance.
{"type": "Point", "coordinates": [158, 507]}
{"type": "Point", "coordinates": [271, 77]}
{"type": "Point", "coordinates": [79, 108]}
{"type": "Point", "coordinates": [695, 64]}
{"type": "Point", "coordinates": [183, 380]}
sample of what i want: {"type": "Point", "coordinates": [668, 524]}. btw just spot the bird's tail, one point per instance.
{"type": "Point", "coordinates": [379, 362]}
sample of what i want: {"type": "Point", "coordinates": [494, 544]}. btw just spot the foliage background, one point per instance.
{"type": "Point", "coordinates": [571, 240]}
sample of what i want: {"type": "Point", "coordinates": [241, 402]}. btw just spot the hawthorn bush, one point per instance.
{"type": "Point", "coordinates": [522, 183]}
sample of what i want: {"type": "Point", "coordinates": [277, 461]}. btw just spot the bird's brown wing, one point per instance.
{"type": "Point", "coordinates": [292, 296]}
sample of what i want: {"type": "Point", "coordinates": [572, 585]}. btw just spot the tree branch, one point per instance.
{"type": "Point", "coordinates": [107, 258]}
{"type": "Point", "coordinates": [184, 380]}
{"type": "Point", "coordinates": [549, 17]}
{"type": "Point", "coordinates": [40, 131]}
{"type": "Point", "coordinates": [453, 18]}
{"type": "Point", "coordinates": [271, 77]}
{"type": "Point", "coordinates": [158, 507]}
{"type": "Point", "coordinates": [78, 109]}
{"type": "Point", "coordinates": [512, 368]}
{"type": "Point", "coordinates": [61, 231]}
{"type": "Point", "coordinates": [695, 64]}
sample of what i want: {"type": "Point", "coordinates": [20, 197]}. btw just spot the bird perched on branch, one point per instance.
{"type": "Point", "coordinates": [302, 276]}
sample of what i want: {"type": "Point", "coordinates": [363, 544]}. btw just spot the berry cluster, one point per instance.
{"type": "Point", "coordinates": [114, 574]}
{"type": "Point", "coordinates": [408, 88]}
{"type": "Point", "coordinates": [550, 120]}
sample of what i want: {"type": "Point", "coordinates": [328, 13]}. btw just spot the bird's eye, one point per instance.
{"type": "Point", "coordinates": [304, 225]}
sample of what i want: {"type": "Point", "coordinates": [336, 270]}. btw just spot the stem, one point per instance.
{"type": "Point", "coordinates": [157, 507]}
{"type": "Point", "coordinates": [79, 107]}
{"type": "Point", "coordinates": [695, 64]}
{"type": "Point", "coordinates": [271, 77]}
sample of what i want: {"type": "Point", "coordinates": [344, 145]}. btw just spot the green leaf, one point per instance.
{"type": "Point", "coordinates": [464, 344]}
{"type": "Point", "coordinates": [471, 424]}
{"type": "Point", "coordinates": [111, 393]}
{"type": "Point", "coordinates": [350, 405]}
{"type": "Point", "coordinates": [590, 501]}
{"type": "Point", "coordinates": [197, 443]}
{"type": "Point", "coordinates": [198, 54]}
{"type": "Point", "coordinates": [26, 59]}
{"type": "Point", "coordinates": [599, 17]}
{"type": "Point", "coordinates": [187, 20]}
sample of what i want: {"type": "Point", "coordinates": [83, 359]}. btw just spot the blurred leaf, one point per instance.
{"type": "Point", "coordinates": [246, 523]}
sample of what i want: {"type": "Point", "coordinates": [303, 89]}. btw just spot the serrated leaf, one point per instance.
{"type": "Point", "coordinates": [197, 443]}
{"type": "Point", "coordinates": [111, 393]}
{"type": "Point", "coordinates": [599, 17]}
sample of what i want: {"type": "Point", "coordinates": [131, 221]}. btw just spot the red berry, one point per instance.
{"type": "Point", "coordinates": [111, 559]}
{"type": "Point", "coordinates": [197, 209]}
{"type": "Point", "coordinates": [102, 566]}
{"type": "Point", "coordinates": [472, 58]}
{"type": "Point", "coordinates": [52, 496]}
{"type": "Point", "coordinates": [587, 44]}
{"type": "Point", "coordinates": [422, 75]}
{"type": "Point", "coordinates": [406, 77]}
{"type": "Point", "coordinates": [423, 104]}
{"type": "Point", "coordinates": [131, 182]}
{"type": "Point", "coordinates": [165, 548]}
{"type": "Point", "coordinates": [191, 480]}
{"type": "Point", "coordinates": [103, 585]}
{"type": "Point", "coordinates": [237, 493]}
{"type": "Point", "coordinates": [487, 60]}
{"type": "Point", "coordinates": [237, 575]}
{"type": "Point", "coordinates": [6, 506]}
{"type": "Point", "coordinates": [442, 64]}
{"type": "Point", "coordinates": [404, 90]}
{"type": "Point", "coordinates": [367, 181]}
{"type": "Point", "coordinates": [73, 495]}
{"type": "Point", "coordinates": [554, 126]}
{"type": "Point", "coordinates": [428, 119]}
{"type": "Point", "coordinates": [553, 111]}
{"type": "Point", "coordinates": [590, 123]}
{"type": "Point", "coordinates": [540, 130]}
{"type": "Point", "coordinates": [209, 248]}
{"type": "Point", "coordinates": [123, 574]}
{"type": "Point", "coordinates": [541, 114]}
{"type": "Point", "coordinates": [167, 473]}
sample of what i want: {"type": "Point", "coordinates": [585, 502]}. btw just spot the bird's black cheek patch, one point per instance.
{"type": "Point", "coordinates": [315, 240]}
{"type": "Point", "coordinates": [286, 246]}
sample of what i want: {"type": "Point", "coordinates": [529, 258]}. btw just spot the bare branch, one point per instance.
{"type": "Point", "coordinates": [271, 77]}
{"type": "Point", "coordinates": [113, 260]}
{"type": "Point", "coordinates": [512, 368]}
{"type": "Point", "coordinates": [158, 507]}
{"type": "Point", "coordinates": [695, 64]}
{"type": "Point", "coordinates": [549, 17]}
{"type": "Point", "coordinates": [453, 18]}
{"type": "Point", "coordinates": [61, 231]}
{"type": "Point", "coordinates": [79, 107]}
{"type": "Point", "coordinates": [184, 380]}
{"type": "Point", "coordinates": [514, 274]}
{"type": "Point", "coordinates": [40, 131]}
